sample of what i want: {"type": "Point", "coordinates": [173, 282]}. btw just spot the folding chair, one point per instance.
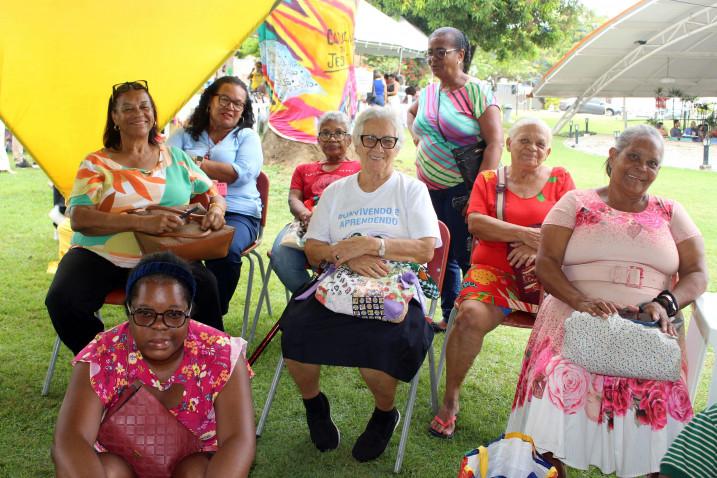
{"type": "Point", "coordinates": [436, 269]}
{"type": "Point", "coordinates": [262, 184]}
{"type": "Point", "coordinates": [115, 297]}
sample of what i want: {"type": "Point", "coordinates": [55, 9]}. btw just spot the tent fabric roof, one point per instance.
{"type": "Point", "coordinates": [628, 56]}
{"type": "Point", "coordinates": [376, 33]}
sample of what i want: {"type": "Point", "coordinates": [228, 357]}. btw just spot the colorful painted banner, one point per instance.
{"type": "Point", "coordinates": [307, 53]}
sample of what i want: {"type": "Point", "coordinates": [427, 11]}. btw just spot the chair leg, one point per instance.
{"type": "Point", "coordinates": [247, 300]}
{"type": "Point", "coordinates": [262, 295]}
{"type": "Point", "coordinates": [270, 396]}
{"type": "Point", "coordinates": [51, 367]}
{"type": "Point", "coordinates": [442, 359]}
{"type": "Point", "coordinates": [263, 275]}
{"type": "Point", "coordinates": [406, 423]}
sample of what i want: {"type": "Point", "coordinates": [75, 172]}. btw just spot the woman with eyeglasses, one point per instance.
{"type": "Point", "coordinates": [307, 184]}
{"type": "Point", "coordinates": [221, 140]}
{"type": "Point", "coordinates": [362, 221]}
{"type": "Point", "coordinates": [198, 373]}
{"type": "Point", "coordinates": [134, 170]}
{"type": "Point", "coordinates": [457, 111]}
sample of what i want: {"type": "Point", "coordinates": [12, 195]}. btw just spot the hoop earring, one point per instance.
{"type": "Point", "coordinates": [116, 128]}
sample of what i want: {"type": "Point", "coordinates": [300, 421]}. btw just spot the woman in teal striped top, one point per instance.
{"type": "Point", "coordinates": [455, 112]}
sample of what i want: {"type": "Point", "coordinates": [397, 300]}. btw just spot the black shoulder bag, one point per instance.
{"type": "Point", "coordinates": [468, 158]}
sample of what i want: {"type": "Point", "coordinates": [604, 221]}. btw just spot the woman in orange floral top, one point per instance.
{"type": "Point", "coordinates": [490, 291]}
{"type": "Point", "coordinates": [198, 373]}
{"type": "Point", "coordinates": [133, 170]}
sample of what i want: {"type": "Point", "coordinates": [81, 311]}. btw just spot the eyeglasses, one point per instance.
{"type": "Point", "coordinates": [370, 141]}
{"type": "Point", "coordinates": [327, 135]}
{"type": "Point", "coordinates": [170, 318]}
{"type": "Point", "coordinates": [438, 52]}
{"type": "Point", "coordinates": [225, 101]}
{"type": "Point", "coordinates": [120, 88]}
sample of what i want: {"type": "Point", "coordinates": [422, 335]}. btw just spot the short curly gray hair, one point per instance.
{"type": "Point", "coordinates": [630, 135]}
{"type": "Point", "coordinates": [530, 121]}
{"type": "Point", "coordinates": [377, 112]}
{"type": "Point", "coordinates": [337, 116]}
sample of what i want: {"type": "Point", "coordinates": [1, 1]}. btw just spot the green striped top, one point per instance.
{"type": "Point", "coordinates": [693, 454]}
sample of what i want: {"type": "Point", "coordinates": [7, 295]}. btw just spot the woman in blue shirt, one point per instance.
{"type": "Point", "coordinates": [221, 140]}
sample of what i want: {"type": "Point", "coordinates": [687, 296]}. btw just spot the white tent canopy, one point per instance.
{"type": "Point", "coordinates": [630, 55]}
{"type": "Point", "coordinates": [375, 33]}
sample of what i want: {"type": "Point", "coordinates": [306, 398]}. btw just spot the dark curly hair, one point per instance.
{"type": "Point", "coordinates": [111, 137]}
{"type": "Point", "coordinates": [199, 121]}
{"type": "Point", "coordinates": [460, 41]}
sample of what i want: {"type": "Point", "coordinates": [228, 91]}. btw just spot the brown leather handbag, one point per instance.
{"type": "Point", "coordinates": [188, 242]}
{"type": "Point", "coordinates": [145, 434]}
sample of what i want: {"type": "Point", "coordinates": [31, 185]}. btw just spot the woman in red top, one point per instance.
{"type": "Point", "coordinates": [489, 291]}
{"type": "Point", "coordinates": [307, 183]}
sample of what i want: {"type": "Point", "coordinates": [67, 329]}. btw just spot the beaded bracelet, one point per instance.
{"type": "Point", "coordinates": [672, 305]}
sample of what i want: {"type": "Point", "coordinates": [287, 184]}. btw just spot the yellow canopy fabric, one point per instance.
{"type": "Point", "coordinates": [59, 60]}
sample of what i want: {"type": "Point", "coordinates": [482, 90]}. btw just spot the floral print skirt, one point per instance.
{"type": "Point", "coordinates": [620, 425]}
{"type": "Point", "coordinates": [493, 286]}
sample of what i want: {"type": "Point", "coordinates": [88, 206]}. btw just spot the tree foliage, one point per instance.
{"type": "Point", "coordinates": [504, 27]}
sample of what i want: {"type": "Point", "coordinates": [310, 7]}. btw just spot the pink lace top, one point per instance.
{"type": "Point", "coordinates": [209, 360]}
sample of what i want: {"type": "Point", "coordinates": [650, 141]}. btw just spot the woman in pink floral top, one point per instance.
{"type": "Point", "coordinates": [197, 372]}
{"type": "Point", "coordinates": [602, 251]}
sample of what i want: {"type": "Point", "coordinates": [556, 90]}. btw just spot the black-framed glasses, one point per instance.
{"type": "Point", "coordinates": [120, 88]}
{"type": "Point", "coordinates": [370, 141]}
{"type": "Point", "coordinates": [225, 101]}
{"type": "Point", "coordinates": [145, 317]}
{"type": "Point", "coordinates": [327, 135]}
{"type": "Point", "coordinates": [438, 52]}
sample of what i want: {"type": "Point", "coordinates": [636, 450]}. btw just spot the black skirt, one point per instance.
{"type": "Point", "coordinates": [311, 333]}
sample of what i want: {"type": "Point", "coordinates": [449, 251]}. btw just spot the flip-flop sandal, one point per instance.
{"type": "Point", "coordinates": [450, 422]}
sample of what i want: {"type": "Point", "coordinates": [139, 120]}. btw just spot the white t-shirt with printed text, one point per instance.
{"type": "Point", "coordinates": [400, 208]}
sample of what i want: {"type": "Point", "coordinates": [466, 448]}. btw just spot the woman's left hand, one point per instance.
{"type": "Point", "coordinates": [214, 219]}
{"type": "Point", "coordinates": [347, 249]}
{"type": "Point", "coordinates": [521, 255]}
{"type": "Point", "coordinates": [657, 312]}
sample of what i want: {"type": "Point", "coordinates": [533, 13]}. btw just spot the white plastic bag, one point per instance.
{"type": "Point", "coordinates": [513, 455]}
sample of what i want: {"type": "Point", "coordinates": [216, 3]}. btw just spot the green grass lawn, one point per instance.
{"type": "Point", "coordinates": [26, 336]}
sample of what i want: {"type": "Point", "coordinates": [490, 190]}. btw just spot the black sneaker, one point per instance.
{"type": "Point", "coordinates": [324, 433]}
{"type": "Point", "coordinates": [374, 440]}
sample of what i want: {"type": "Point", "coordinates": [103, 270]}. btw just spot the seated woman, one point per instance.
{"type": "Point", "coordinates": [307, 183]}
{"type": "Point", "coordinates": [222, 142]}
{"type": "Point", "coordinates": [133, 170]}
{"type": "Point", "coordinates": [159, 352]}
{"type": "Point", "coordinates": [490, 290]}
{"type": "Point", "coordinates": [603, 250]}
{"type": "Point", "coordinates": [346, 229]}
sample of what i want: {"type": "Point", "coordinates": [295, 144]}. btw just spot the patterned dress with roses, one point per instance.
{"type": "Point", "coordinates": [491, 279]}
{"type": "Point", "coordinates": [621, 425]}
{"type": "Point", "coordinates": [209, 360]}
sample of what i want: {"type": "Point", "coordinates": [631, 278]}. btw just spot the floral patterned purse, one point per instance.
{"type": "Point", "coordinates": [621, 347]}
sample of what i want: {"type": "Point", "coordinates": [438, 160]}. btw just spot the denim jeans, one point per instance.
{"type": "Point", "coordinates": [227, 269]}
{"type": "Point", "coordinates": [289, 264]}
{"type": "Point", "coordinates": [458, 256]}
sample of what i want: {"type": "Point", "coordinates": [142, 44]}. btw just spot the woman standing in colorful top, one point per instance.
{"type": "Point", "coordinates": [307, 183]}
{"type": "Point", "coordinates": [133, 170]}
{"type": "Point", "coordinates": [221, 140]}
{"type": "Point", "coordinates": [455, 112]}
{"type": "Point", "coordinates": [198, 373]}
{"type": "Point", "coordinates": [603, 250]}
{"type": "Point", "coordinates": [490, 290]}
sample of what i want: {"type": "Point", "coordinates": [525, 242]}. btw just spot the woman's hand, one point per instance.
{"type": "Point", "coordinates": [369, 266]}
{"type": "Point", "coordinates": [521, 255]}
{"type": "Point", "coordinates": [214, 219]}
{"type": "Point", "coordinates": [304, 217]}
{"type": "Point", "coordinates": [161, 222]}
{"type": "Point", "coordinates": [347, 249]}
{"type": "Point", "coordinates": [657, 312]}
{"type": "Point", "coordinates": [599, 307]}
{"type": "Point", "coordinates": [531, 237]}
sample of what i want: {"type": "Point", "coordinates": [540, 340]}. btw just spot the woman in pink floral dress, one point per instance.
{"type": "Point", "coordinates": [601, 251]}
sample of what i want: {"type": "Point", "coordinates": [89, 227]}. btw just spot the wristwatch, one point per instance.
{"type": "Point", "coordinates": [381, 247]}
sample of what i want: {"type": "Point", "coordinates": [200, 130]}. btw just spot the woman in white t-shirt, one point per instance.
{"type": "Point", "coordinates": [362, 220]}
